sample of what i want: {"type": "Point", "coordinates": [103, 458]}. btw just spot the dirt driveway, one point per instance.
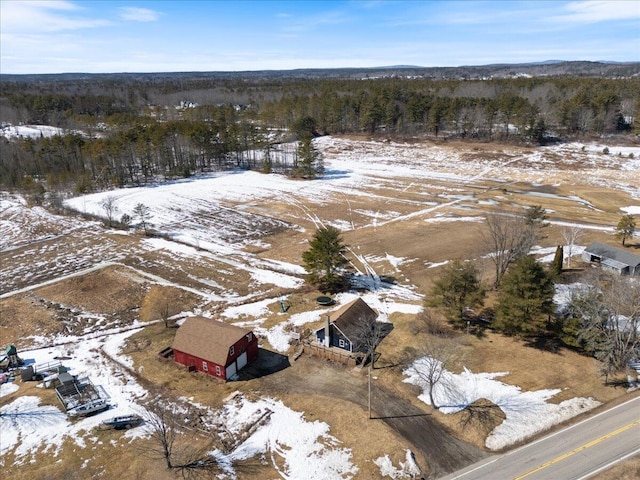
{"type": "Point", "coordinates": [312, 376]}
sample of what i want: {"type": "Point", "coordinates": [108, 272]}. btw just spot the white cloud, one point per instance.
{"type": "Point", "coordinates": [139, 14]}
{"type": "Point", "coordinates": [51, 16]}
{"type": "Point", "coordinates": [593, 11]}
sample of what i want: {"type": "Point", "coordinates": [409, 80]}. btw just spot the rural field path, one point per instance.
{"type": "Point", "coordinates": [313, 376]}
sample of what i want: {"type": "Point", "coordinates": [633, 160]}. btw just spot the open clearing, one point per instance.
{"type": "Point", "coordinates": [231, 248]}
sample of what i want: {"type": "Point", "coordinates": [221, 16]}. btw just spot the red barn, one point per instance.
{"type": "Point", "coordinates": [214, 347]}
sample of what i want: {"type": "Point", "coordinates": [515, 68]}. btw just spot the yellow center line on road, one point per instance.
{"type": "Point", "coordinates": [580, 449]}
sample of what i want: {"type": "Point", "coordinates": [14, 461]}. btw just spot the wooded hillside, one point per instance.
{"type": "Point", "coordinates": [135, 128]}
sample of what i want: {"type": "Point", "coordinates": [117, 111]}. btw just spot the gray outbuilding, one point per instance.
{"type": "Point", "coordinates": [615, 259]}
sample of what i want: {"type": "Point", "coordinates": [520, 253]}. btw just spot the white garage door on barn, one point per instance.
{"type": "Point", "coordinates": [231, 370]}
{"type": "Point", "coordinates": [242, 360]}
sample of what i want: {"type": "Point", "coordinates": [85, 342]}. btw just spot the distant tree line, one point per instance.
{"type": "Point", "coordinates": [524, 109]}
{"type": "Point", "coordinates": [132, 132]}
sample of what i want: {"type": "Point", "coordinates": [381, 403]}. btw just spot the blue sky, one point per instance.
{"type": "Point", "coordinates": [55, 36]}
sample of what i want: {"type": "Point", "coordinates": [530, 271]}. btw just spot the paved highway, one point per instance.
{"type": "Point", "coordinates": [574, 453]}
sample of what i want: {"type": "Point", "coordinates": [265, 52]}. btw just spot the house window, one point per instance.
{"type": "Point", "coordinates": [341, 343]}
{"type": "Point", "coordinates": [205, 367]}
{"type": "Point", "coordinates": [218, 371]}
{"type": "Point", "coordinates": [231, 350]}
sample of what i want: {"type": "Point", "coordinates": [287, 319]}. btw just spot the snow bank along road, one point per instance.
{"type": "Point", "coordinates": [574, 453]}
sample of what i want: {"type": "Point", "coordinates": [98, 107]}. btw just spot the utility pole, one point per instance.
{"type": "Point", "coordinates": [369, 390]}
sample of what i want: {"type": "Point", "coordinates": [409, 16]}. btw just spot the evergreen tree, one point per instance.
{"type": "Point", "coordinates": [536, 215]}
{"type": "Point", "coordinates": [305, 128]}
{"type": "Point", "coordinates": [143, 213]}
{"type": "Point", "coordinates": [310, 162]}
{"type": "Point", "coordinates": [325, 259]}
{"type": "Point", "coordinates": [457, 290]}
{"type": "Point", "coordinates": [525, 296]}
{"type": "Point", "coordinates": [626, 228]}
{"type": "Point", "coordinates": [556, 266]}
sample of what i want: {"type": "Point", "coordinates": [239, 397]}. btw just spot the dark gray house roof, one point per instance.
{"type": "Point", "coordinates": [346, 327]}
{"type": "Point", "coordinates": [352, 318]}
{"type": "Point", "coordinates": [614, 257]}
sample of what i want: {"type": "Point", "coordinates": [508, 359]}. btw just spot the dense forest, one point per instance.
{"type": "Point", "coordinates": [132, 129]}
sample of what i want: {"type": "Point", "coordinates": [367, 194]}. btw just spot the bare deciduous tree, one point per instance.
{"type": "Point", "coordinates": [571, 235]}
{"type": "Point", "coordinates": [368, 337]}
{"type": "Point", "coordinates": [482, 414]}
{"type": "Point", "coordinates": [433, 322]}
{"type": "Point", "coordinates": [440, 355]}
{"type": "Point", "coordinates": [163, 310]}
{"type": "Point", "coordinates": [162, 424]}
{"type": "Point", "coordinates": [508, 237]}
{"type": "Point", "coordinates": [609, 308]}
{"type": "Point", "coordinates": [110, 208]}
{"type": "Point", "coordinates": [160, 302]}
{"type": "Point", "coordinates": [165, 425]}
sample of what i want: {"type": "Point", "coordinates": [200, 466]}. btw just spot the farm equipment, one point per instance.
{"type": "Point", "coordinates": [40, 371]}
{"type": "Point", "coordinates": [10, 359]}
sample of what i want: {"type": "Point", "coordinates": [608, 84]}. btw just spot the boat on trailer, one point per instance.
{"type": "Point", "coordinates": [89, 408]}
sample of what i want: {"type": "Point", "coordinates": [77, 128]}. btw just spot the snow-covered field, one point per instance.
{"type": "Point", "coordinates": [30, 131]}
{"type": "Point", "coordinates": [222, 220]}
{"type": "Point", "coordinates": [363, 169]}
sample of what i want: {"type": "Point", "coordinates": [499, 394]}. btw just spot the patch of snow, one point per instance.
{"type": "Point", "coordinates": [631, 210]}
{"type": "Point", "coordinates": [8, 388]}
{"type": "Point", "coordinates": [407, 469]}
{"type": "Point", "coordinates": [277, 336]}
{"type": "Point", "coordinates": [527, 413]}
{"type": "Point", "coordinates": [453, 218]}
{"type": "Point", "coordinates": [343, 225]}
{"type": "Point", "coordinates": [27, 425]}
{"type": "Point", "coordinates": [254, 309]}
{"type": "Point", "coordinates": [173, 247]}
{"type": "Point", "coordinates": [296, 448]}
{"type": "Point", "coordinates": [394, 261]}
{"type": "Point", "coordinates": [275, 278]}
{"type": "Point", "coordinates": [563, 294]}
{"type": "Point", "coordinates": [30, 131]}
{"type": "Point", "coordinates": [549, 253]}
{"type": "Point", "coordinates": [435, 264]}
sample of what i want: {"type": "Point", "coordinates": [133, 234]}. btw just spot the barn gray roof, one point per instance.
{"type": "Point", "coordinates": [612, 253]}
{"type": "Point", "coordinates": [207, 339]}
{"type": "Point", "coordinates": [353, 317]}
